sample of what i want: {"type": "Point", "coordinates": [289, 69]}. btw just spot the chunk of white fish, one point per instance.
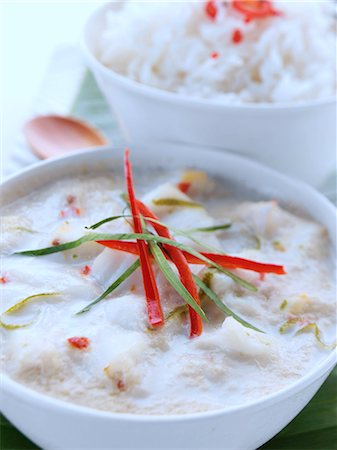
{"type": "Point", "coordinates": [239, 341]}
{"type": "Point", "coordinates": [182, 217]}
{"type": "Point", "coordinates": [110, 265]}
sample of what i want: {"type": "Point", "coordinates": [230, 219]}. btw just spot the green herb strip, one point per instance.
{"type": "Point", "coordinates": [188, 234]}
{"type": "Point", "coordinates": [224, 226]}
{"type": "Point", "coordinates": [175, 202]}
{"type": "Point", "coordinates": [108, 219]}
{"type": "Point", "coordinates": [177, 311]}
{"type": "Point", "coordinates": [283, 305]}
{"type": "Point", "coordinates": [190, 250]}
{"type": "Point", "coordinates": [289, 323]}
{"type": "Point", "coordinates": [125, 275]}
{"type": "Point", "coordinates": [210, 229]}
{"type": "Point", "coordinates": [9, 326]}
{"type": "Point", "coordinates": [213, 296]}
{"type": "Point", "coordinates": [22, 304]}
{"type": "Point", "coordinates": [129, 236]}
{"type": "Point", "coordinates": [185, 233]}
{"type": "Point", "coordinates": [26, 300]}
{"type": "Point", "coordinates": [173, 279]}
{"type": "Point", "coordinates": [312, 326]}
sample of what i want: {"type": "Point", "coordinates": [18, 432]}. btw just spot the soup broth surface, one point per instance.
{"type": "Point", "coordinates": [125, 366]}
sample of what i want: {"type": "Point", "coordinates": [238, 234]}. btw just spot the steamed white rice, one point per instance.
{"type": "Point", "coordinates": [169, 45]}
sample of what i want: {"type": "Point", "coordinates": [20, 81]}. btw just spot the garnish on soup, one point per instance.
{"type": "Point", "coordinates": [160, 248]}
{"type": "Point", "coordinates": [79, 342]}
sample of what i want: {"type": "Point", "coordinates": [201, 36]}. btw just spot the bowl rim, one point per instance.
{"type": "Point", "coordinates": [85, 157]}
{"type": "Point", "coordinates": [177, 98]}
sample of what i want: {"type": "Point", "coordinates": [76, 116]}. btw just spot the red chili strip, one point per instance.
{"type": "Point", "coordinates": [154, 310]}
{"type": "Point", "coordinates": [237, 36]}
{"type": "Point", "coordinates": [239, 263]}
{"type": "Point", "coordinates": [85, 270]}
{"type": "Point", "coordinates": [211, 9]}
{"type": "Point", "coordinates": [184, 186]}
{"type": "Point", "coordinates": [79, 342]}
{"type": "Point", "coordinates": [255, 9]}
{"type": "Point", "coordinates": [183, 268]}
{"type": "Point", "coordinates": [225, 261]}
{"type": "Point", "coordinates": [3, 280]}
{"type": "Point", "coordinates": [123, 246]}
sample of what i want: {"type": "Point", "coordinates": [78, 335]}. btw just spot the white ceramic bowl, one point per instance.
{"type": "Point", "coordinates": [54, 424]}
{"type": "Point", "coordinates": [296, 139]}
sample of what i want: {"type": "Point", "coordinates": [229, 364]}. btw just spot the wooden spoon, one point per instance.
{"type": "Point", "coordinates": [52, 135]}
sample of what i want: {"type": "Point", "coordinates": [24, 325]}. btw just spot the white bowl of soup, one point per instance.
{"type": "Point", "coordinates": [106, 378]}
{"type": "Point", "coordinates": [270, 96]}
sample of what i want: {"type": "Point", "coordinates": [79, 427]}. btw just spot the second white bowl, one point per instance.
{"type": "Point", "coordinates": [297, 139]}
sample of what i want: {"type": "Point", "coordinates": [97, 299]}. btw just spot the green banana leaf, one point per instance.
{"type": "Point", "coordinates": [315, 428]}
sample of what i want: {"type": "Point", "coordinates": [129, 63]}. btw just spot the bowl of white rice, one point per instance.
{"type": "Point", "coordinates": [252, 77]}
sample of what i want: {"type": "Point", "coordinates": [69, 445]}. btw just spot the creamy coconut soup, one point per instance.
{"type": "Point", "coordinates": [258, 319]}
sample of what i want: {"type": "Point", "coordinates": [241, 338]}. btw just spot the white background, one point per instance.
{"type": "Point", "coordinates": [30, 31]}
